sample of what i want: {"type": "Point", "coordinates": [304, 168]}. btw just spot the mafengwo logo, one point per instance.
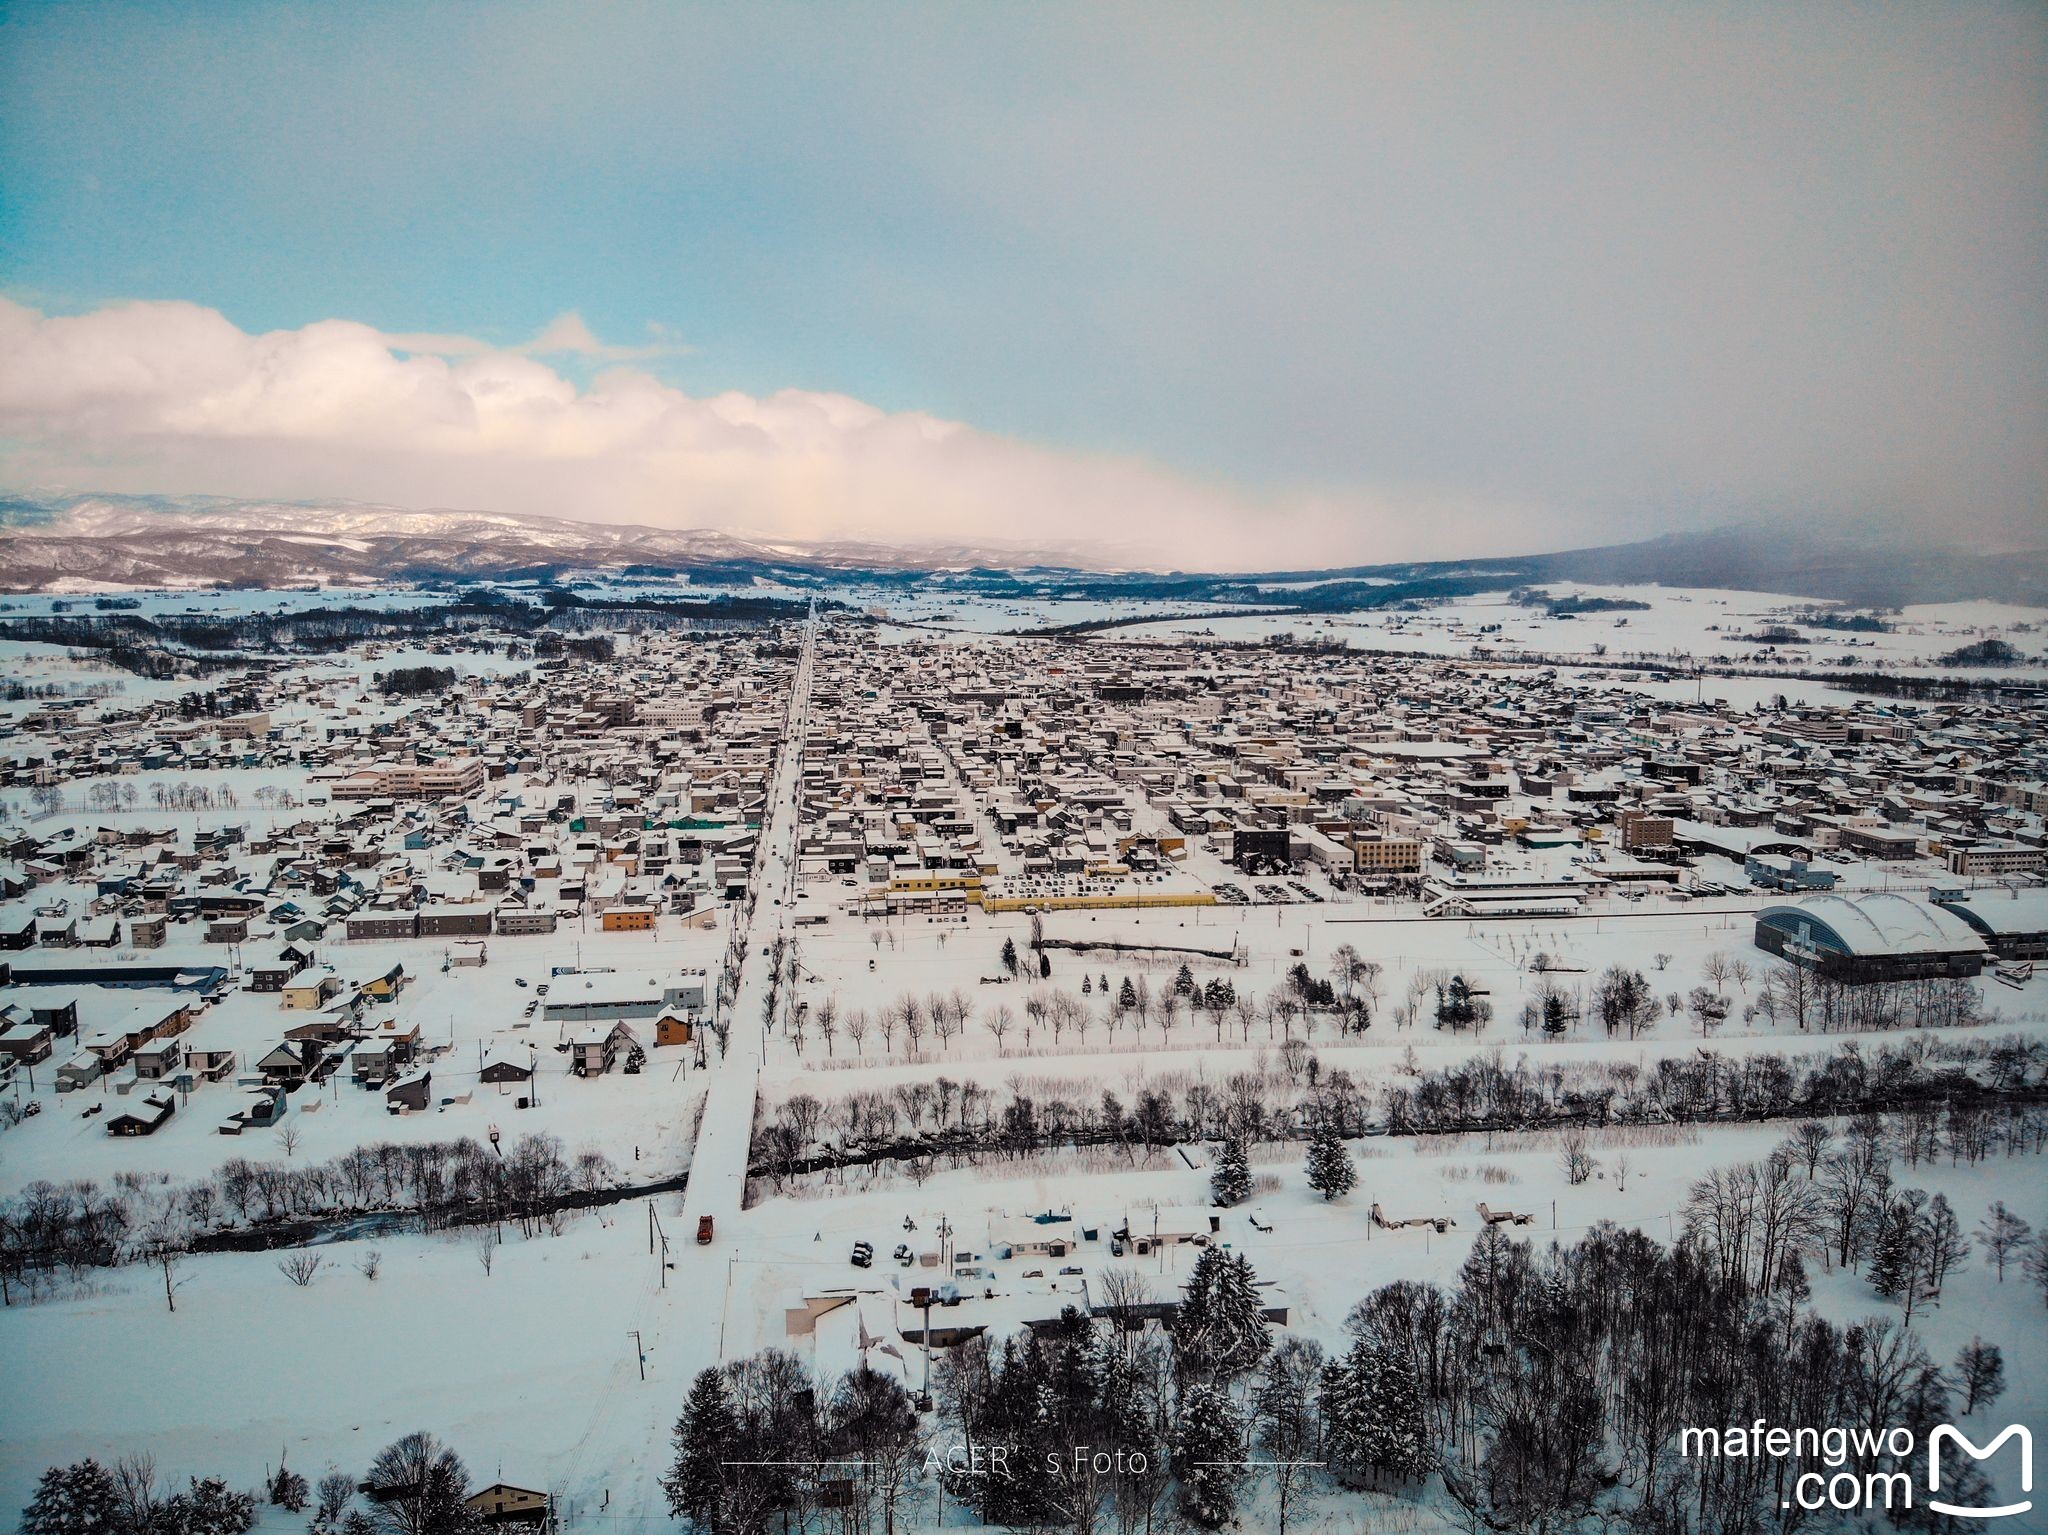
{"type": "Point", "coordinates": [1947, 1432]}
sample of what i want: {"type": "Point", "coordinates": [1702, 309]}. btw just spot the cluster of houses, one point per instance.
{"type": "Point", "coordinates": [1008, 775]}
{"type": "Point", "coordinates": [623, 793]}
{"type": "Point", "coordinates": [1029, 1275]}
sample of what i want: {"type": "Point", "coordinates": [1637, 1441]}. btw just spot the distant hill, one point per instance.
{"type": "Point", "coordinates": [189, 541]}
{"type": "Point", "coordinates": [89, 541]}
{"type": "Point", "coordinates": [1839, 566]}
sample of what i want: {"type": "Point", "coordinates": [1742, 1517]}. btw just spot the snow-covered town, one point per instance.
{"type": "Point", "coordinates": [1058, 769]}
{"type": "Point", "coordinates": [495, 1031]}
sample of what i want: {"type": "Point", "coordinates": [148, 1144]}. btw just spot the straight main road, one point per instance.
{"type": "Point", "coordinates": [718, 1166]}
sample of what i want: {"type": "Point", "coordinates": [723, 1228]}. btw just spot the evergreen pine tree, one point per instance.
{"type": "Point", "coordinates": [288, 1490]}
{"type": "Point", "coordinates": [1240, 1332]}
{"type": "Point", "coordinates": [211, 1507]}
{"type": "Point", "coordinates": [1218, 1330]}
{"type": "Point", "coordinates": [1373, 1420]}
{"type": "Point", "coordinates": [79, 1499]}
{"type": "Point", "coordinates": [1127, 995]}
{"type": "Point", "coordinates": [1184, 980]}
{"type": "Point", "coordinates": [1192, 1318]}
{"type": "Point", "coordinates": [1009, 956]}
{"type": "Point", "coordinates": [1345, 1423]}
{"type": "Point", "coordinates": [1391, 1440]}
{"type": "Point", "coordinates": [1208, 1455]}
{"type": "Point", "coordinates": [705, 1438]}
{"type": "Point", "coordinates": [1330, 1172]}
{"type": "Point", "coordinates": [1895, 1260]}
{"type": "Point", "coordinates": [1231, 1182]}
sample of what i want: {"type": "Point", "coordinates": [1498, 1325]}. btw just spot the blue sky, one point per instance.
{"type": "Point", "coordinates": [1405, 277]}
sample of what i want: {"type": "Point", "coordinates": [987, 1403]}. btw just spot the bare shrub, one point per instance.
{"type": "Point", "coordinates": [300, 1268]}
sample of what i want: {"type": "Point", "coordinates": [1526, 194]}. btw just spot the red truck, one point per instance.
{"type": "Point", "coordinates": [703, 1231]}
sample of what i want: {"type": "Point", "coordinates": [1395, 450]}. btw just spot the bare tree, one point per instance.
{"type": "Point", "coordinates": [332, 1495]}
{"type": "Point", "coordinates": [1577, 1162]}
{"type": "Point", "coordinates": [300, 1268]}
{"type": "Point", "coordinates": [2003, 1234]}
{"type": "Point", "coordinates": [1125, 1294]}
{"type": "Point", "coordinates": [1289, 1427]}
{"type": "Point", "coordinates": [135, 1490]}
{"type": "Point", "coordinates": [165, 1243]}
{"type": "Point", "coordinates": [288, 1137]}
{"type": "Point", "coordinates": [1717, 967]}
{"type": "Point", "coordinates": [1809, 1144]}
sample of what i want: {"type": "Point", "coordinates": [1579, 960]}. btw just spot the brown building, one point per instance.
{"type": "Point", "coordinates": [673, 1029]}
{"type": "Point", "coordinates": [455, 922]}
{"type": "Point", "coordinates": [1386, 855]}
{"type": "Point", "coordinates": [384, 924]}
{"type": "Point", "coordinates": [1639, 831]}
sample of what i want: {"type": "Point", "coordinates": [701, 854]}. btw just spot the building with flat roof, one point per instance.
{"type": "Point", "coordinates": [583, 996]}
{"type": "Point", "coordinates": [1993, 858]}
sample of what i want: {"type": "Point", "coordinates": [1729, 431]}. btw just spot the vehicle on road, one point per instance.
{"type": "Point", "coordinates": [703, 1231]}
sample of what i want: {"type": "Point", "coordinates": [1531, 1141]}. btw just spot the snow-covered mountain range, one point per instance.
{"type": "Point", "coordinates": [88, 542]}
{"type": "Point", "coordinates": [202, 540]}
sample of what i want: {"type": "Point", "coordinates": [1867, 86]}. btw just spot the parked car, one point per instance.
{"type": "Point", "coordinates": [703, 1231]}
{"type": "Point", "coordinates": [863, 1255]}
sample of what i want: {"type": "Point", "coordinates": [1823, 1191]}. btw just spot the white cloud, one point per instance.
{"type": "Point", "coordinates": [567, 335]}
{"type": "Point", "coordinates": [174, 397]}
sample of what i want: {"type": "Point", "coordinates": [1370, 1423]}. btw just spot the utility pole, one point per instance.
{"type": "Point", "coordinates": [639, 1352]}
{"type": "Point", "coordinates": [925, 1401]}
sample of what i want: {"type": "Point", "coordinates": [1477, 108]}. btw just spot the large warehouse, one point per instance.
{"type": "Point", "coordinates": [2013, 922]}
{"type": "Point", "coordinates": [1875, 936]}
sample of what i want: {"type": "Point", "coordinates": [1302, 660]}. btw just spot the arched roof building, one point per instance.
{"type": "Point", "coordinates": [1871, 936]}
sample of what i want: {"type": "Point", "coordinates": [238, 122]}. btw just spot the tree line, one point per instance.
{"type": "Point", "coordinates": [1985, 1089]}
{"type": "Point", "coordinates": [415, 1485]}
{"type": "Point", "coordinates": [51, 1231]}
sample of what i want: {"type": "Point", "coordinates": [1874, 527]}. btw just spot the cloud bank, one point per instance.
{"type": "Point", "coordinates": [174, 397]}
